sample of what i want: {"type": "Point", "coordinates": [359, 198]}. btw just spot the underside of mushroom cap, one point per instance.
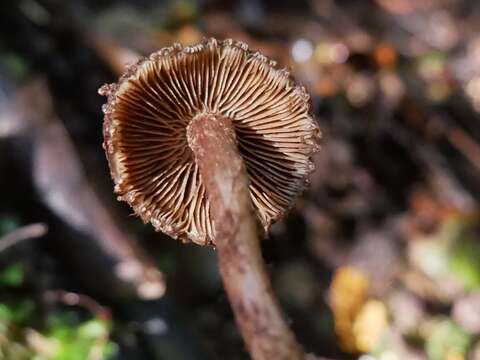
{"type": "Point", "coordinates": [146, 119]}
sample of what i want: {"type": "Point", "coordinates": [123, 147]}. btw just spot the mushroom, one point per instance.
{"type": "Point", "coordinates": [207, 142]}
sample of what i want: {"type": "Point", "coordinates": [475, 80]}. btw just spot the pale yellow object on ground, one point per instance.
{"type": "Point", "coordinates": [370, 325]}
{"type": "Point", "coordinates": [348, 294]}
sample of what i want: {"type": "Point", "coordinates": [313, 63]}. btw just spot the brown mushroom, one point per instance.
{"type": "Point", "coordinates": [205, 142]}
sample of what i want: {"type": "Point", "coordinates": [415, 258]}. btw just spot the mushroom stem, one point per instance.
{"type": "Point", "coordinates": [259, 317]}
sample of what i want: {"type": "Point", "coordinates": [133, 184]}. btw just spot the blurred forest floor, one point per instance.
{"type": "Point", "coordinates": [379, 260]}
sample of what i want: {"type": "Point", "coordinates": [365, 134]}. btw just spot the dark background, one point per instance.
{"type": "Point", "coordinates": [381, 256]}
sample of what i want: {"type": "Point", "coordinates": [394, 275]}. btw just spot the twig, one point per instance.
{"type": "Point", "coordinates": [74, 299]}
{"type": "Point", "coordinates": [23, 233]}
{"type": "Point", "coordinates": [59, 177]}
{"type": "Point", "coordinates": [465, 144]}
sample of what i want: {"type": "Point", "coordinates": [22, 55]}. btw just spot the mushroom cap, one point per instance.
{"type": "Point", "coordinates": [146, 118]}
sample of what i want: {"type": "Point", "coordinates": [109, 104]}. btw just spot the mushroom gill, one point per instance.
{"type": "Point", "coordinates": [147, 115]}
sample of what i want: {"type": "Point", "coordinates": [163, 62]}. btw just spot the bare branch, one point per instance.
{"type": "Point", "coordinates": [23, 233]}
